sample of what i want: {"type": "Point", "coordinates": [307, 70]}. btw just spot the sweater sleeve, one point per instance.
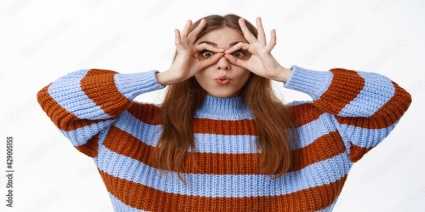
{"type": "Point", "coordinates": [85, 102]}
{"type": "Point", "coordinates": [366, 106]}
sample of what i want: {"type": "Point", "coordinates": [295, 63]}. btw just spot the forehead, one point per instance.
{"type": "Point", "coordinates": [223, 37]}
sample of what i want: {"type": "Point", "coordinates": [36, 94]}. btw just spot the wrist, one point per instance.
{"type": "Point", "coordinates": [162, 78]}
{"type": "Point", "coordinates": [284, 75]}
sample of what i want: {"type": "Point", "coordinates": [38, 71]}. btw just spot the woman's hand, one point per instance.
{"type": "Point", "coordinates": [261, 62]}
{"type": "Point", "coordinates": [186, 63]}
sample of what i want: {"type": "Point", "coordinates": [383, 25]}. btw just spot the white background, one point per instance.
{"type": "Point", "coordinates": [43, 40]}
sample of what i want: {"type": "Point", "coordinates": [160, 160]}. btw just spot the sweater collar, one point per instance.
{"type": "Point", "coordinates": [229, 108]}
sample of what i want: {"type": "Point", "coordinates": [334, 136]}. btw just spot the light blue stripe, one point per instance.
{"type": "Point", "coordinates": [366, 137]}
{"type": "Point", "coordinates": [210, 143]}
{"type": "Point", "coordinates": [377, 91]}
{"type": "Point", "coordinates": [121, 207]}
{"type": "Point", "coordinates": [81, 135]}
{"type": "Point", "coordinates": [226, 108]}
{"type": "Point", "coordinates": [149, 134]}
{"type": "Point", "coordinates": [226, 144]}
{"type": "Point", "coordinates": [310, 132]}
{"type": "Point", "coordinates": [132, 85]}
{"type": "Point", "coordinates": [67, 92]}
{"type": "Point", "coordinates": [236, 115]}
{"type": "Point", "coordinates": [312, 82]}
{"type": "Point", "coordinates": [209, 185]}
{"type": "Point", "coordinates": [213, 143]}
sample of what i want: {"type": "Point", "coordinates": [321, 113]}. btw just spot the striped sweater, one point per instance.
{"type": "Point", "coordinates": [351, 113]}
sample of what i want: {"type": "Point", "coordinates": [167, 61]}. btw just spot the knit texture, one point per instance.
{"type": "Point", "coordinates": [351, 113]}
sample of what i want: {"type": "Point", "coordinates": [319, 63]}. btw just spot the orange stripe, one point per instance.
{"type": "Point", "coordinates": [332, 99]}
{"type": "Point", "coordinates": [63, 119]}
{"type": "Point", "coordinates": [323, 148]}
{"type": "Point", "coordinates": [146, 113]}
{"type": "Point", "coordinates": [147, 198]}
{"type": "Point", "coordinates": [386, 116]}
{"type": "Point", "coordinates": [225, 127]}
{"type": "Point", "coordinates": [357, 152]}
{"type": "Point", "coordinates": [352, 84]}
{"type": "Point", "coordinates": [90, 148]}
{"type": "Point", "coordinates": [99, 86]}
{"type": "Point", "coordinates": [149, 114]}
{"type": "Point", "coordinates": [306, 113]}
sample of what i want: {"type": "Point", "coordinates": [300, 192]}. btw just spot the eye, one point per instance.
{"type": "Point", "coordinates": [238, 54]}
{"type": "Point", "coordinates": [207, 54]}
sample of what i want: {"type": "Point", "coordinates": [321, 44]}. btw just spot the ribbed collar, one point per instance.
{"type": "Point", "coordinates": [230, 108]}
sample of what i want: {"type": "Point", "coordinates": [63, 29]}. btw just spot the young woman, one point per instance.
{"type": "Point", "coordinates": [221, 140]}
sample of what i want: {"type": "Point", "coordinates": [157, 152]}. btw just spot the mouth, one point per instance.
{"type": "Point", "coordinates": [222, 80]}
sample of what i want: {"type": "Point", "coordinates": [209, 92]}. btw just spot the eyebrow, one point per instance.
{"type": "Point", "coordinates": [214, 44]}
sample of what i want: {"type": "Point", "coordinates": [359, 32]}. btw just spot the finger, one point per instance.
{"type": "Point", "coordinates": [204, 46]}
{"type": "Point", "coordinates": [192, 35]}
{"type": "Point", "coordinates": [177, 39]}
{"type": "Point", "coordinates": [212, 60]}
{"type": "Point", "coordinates": [261, 35]}
{"type": "Point", "coordinates": [246, 33]}
{"type": "Point", "coordinates": [234, 60]}
{"type": "Point", "coordinates": [272, 41]}
{"type": "Point", "coordinates": [186, 30]}
{"type": "Point", "coordinates": [240, 45]}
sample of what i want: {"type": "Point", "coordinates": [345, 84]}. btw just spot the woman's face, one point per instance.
{"type": "Point", "coordinates": [222, 79]}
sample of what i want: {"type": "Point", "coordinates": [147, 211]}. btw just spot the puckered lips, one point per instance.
{"type": "Point", "coordinates": [222, 80]}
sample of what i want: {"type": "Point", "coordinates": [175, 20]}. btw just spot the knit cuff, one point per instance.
{"type": "Point", "coordinates": [313, 83]}
{"type": "Point", "coordinates": [132, 85]}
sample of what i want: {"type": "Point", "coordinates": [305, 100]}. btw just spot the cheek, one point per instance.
{"type": "Point", "coordinates": [203, 75]}
{"type": "Point", "coordinates": [243, 73]}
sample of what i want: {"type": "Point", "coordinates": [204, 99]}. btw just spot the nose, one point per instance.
{"type": "Point", "coordinates": [223, 64]}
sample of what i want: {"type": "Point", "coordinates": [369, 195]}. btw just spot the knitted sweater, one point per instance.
{"type": "Point", "coordinates": [351, 113]}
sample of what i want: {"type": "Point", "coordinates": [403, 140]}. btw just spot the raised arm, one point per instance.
{"type": "Point", "coordinates": [366, 106]}
{"type": "Point", "coordinates": [83, 103]}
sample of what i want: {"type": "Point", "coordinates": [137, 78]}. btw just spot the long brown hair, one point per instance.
{"type": "Point", "coordinates": [275, 135]}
